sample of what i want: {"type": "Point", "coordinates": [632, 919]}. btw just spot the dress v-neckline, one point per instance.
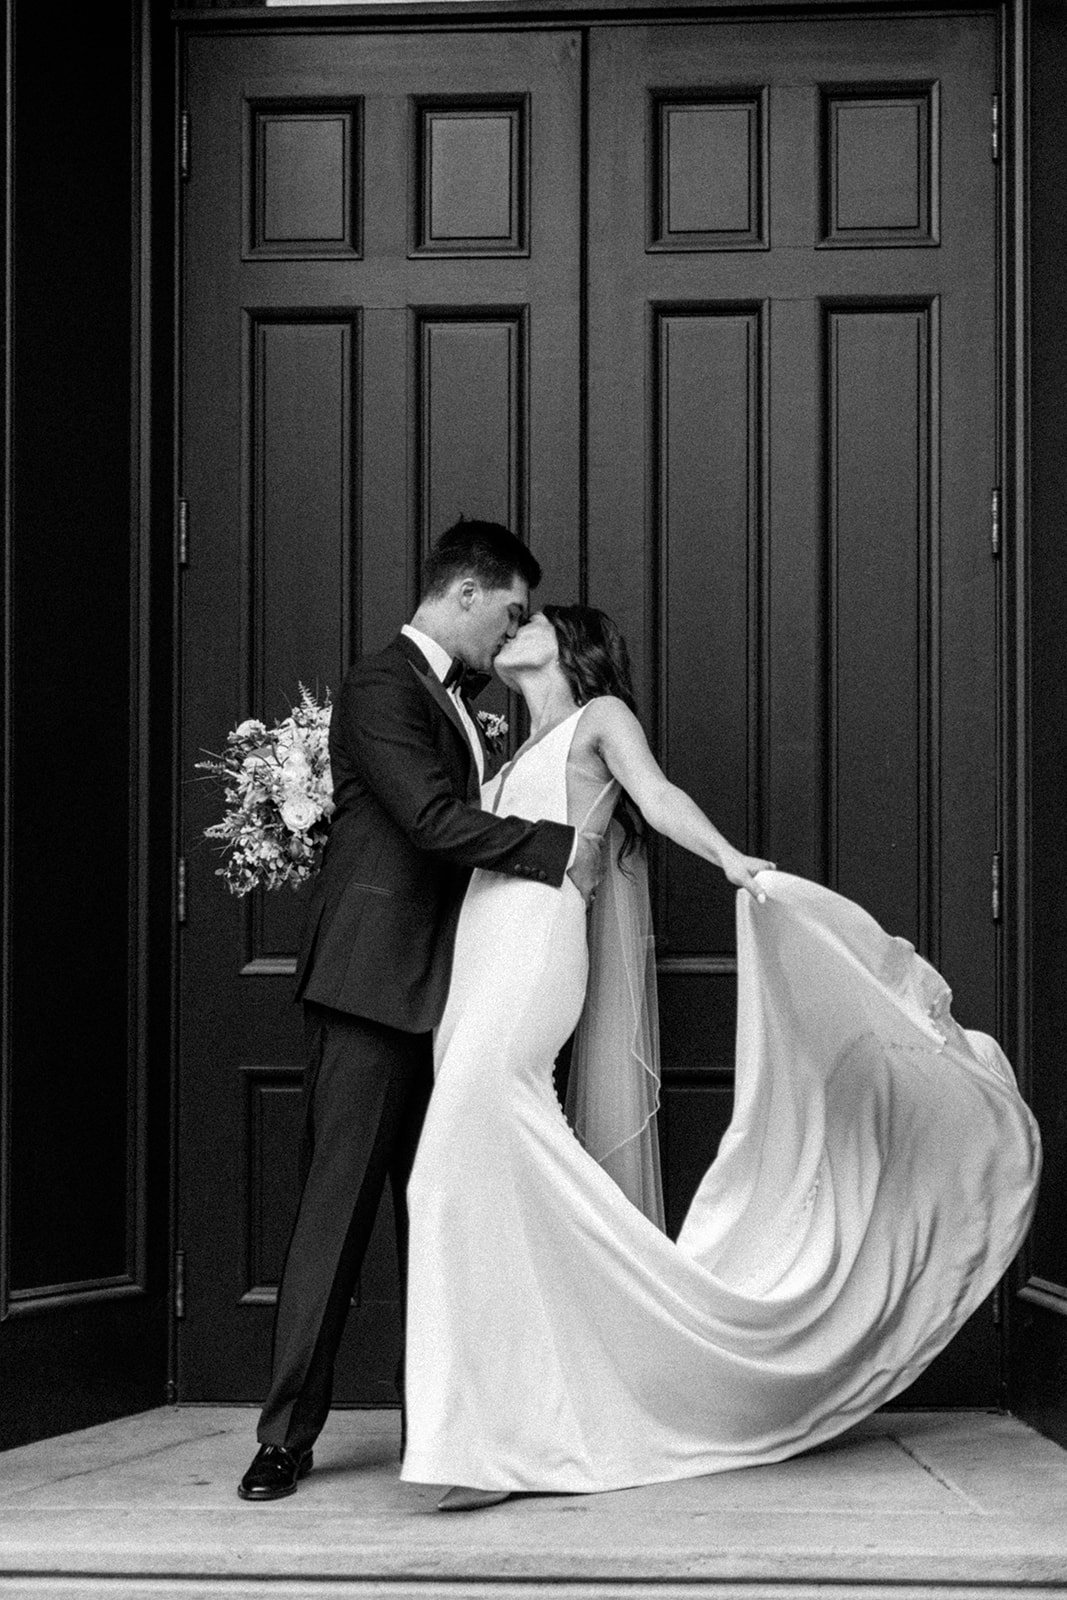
{"type": "Point", "coordinates": [505, 772]}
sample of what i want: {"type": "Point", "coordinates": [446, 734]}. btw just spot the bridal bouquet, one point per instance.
{"type": "Point", "coordinates": [279, 796]}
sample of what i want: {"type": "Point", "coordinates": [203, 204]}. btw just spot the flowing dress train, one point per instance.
{"type": "Point", "coordinates": [876, 1179]}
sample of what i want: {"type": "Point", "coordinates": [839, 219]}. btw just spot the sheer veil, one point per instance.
{"type": "Point", "coordinates": [613, 1091]}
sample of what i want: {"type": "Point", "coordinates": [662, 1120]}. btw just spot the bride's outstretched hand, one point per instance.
{"type": "Point", "coordinates": [741, 870]}
{"type": "Point", "coordinates": [667, 809]}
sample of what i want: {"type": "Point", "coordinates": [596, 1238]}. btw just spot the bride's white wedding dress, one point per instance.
{"type": "Point", "coordinates": [875, 1182]}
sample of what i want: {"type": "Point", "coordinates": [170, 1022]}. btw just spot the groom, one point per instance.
{"type": "Point", "coordinates": [407, 759]}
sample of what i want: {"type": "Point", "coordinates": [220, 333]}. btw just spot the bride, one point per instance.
{"type": "Point", "coordinates": [876, 1179]}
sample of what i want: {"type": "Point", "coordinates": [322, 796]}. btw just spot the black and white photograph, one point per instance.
{"type": "Point", "coordinates": [534, 778]}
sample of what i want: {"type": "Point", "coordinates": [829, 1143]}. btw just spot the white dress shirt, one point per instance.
{"type": "Point", "coordinates": [440, 661]}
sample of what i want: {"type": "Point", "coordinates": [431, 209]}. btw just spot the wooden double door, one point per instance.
{"type": "Point", "coordinates": [708, 314]}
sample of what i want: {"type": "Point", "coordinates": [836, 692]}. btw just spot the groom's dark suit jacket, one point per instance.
{"type": "Point", "coordinates": [405, 835]}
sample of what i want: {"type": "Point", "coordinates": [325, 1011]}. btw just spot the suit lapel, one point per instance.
{"type": "Point", "coordinates": [437, 692]}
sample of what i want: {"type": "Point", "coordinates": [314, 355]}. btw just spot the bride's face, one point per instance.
{"type": "Point", "coordinates": [534, 645]}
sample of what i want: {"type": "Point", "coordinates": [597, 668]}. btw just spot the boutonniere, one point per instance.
{"type": "Point", "coordinates": [494, 730]}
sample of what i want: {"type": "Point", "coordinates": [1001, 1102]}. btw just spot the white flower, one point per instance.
{"type": "Point", "coordinates": [289, 741]}
{"type": "Point", "coordinates": [254, 767]}
{"type": "Point", "coordinates": [296, 769]}
{"type": "Point", "coordinates": [493, 726]}
{"type": "Point", "coordinates": [299, 813]}
{"type": "Point", "coordinates": [252, 728]}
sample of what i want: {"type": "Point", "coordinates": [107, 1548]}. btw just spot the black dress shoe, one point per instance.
{"type": "Point", "coordinates": [274, 1473]}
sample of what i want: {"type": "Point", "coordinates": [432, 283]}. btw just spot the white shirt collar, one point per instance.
{"type": "Point", "coordinates": [436, 655]}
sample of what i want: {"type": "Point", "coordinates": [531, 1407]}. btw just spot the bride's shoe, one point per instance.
{"type": "Point", "coordinates": [461, 1498]}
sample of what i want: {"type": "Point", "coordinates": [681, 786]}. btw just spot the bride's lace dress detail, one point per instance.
{"type": "Point", "coordinates": [876, 1179]}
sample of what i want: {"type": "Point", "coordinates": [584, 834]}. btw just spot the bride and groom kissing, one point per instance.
{"type": "Point", "coordinates": [556, 1338]}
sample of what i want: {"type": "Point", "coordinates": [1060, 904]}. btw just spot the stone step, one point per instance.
{"type": "Point", "coordinates": [41, 1587]}
{"type": "Point", "coordinates": [909, 1505]}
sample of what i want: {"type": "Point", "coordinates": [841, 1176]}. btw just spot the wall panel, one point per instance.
{"type": "Point", "coordinates": [302, 554]}
{"type": "Point", "coordinates": [272, 1115]}
{"type": "Point", "coordinates": [709, 180]}
{"type": "Point", "coordinates": [880, 166]}
{"type": "Point", "coordinates": [469, 390]}
{"type": "Point", "coordinates": [472, 177]}
{"type": "Point", "coordinates": [881, 611]}
{"type": "Point", "coordinates": [708, 434]}
{"type": "Point", "coordinates": [303, 411]}
{"type": "Point", "coordinates": [304, 168]}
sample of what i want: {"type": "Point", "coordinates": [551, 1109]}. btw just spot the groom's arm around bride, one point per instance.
{"type": "Point", "coordinates": [406, 833]}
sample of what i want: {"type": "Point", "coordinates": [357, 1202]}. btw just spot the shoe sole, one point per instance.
{"type": "Point", "coordinates": [253, 1495]}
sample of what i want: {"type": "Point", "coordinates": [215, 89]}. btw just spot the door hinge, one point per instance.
{"type": "Point", "coordinates": [997, 1314]}
{"type": "Point", "coordinates": [180, 901]}
{"type": "Point", "coordinates": [994, 521]}
{"type": "Point", "coordinates": [182, 533]}
{"type": "Point", "coordinates": [179, 1285]}
{"type": "Point", "coordinates": [183, 145]}
{"type": "Point", "coordinates": [994, 136]}
{"type": "Point", "coordinates": [996, 878]}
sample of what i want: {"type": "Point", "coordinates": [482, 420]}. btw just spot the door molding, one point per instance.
{"type": "Point", "coordinates": [375, 14]}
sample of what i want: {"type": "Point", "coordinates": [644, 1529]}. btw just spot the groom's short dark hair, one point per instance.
{"type": "Point", "coordinates": [484, 550]}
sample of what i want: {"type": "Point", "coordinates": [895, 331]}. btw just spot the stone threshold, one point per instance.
{"type": "Point", "coordinates": [908, 1505]}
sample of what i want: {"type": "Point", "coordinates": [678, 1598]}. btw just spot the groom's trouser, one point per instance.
{"type": "Point", "coordinates": [365, 1094]}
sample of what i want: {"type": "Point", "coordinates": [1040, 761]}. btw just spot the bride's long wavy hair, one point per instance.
{"type": "Point", "coordinates": [594, 660]}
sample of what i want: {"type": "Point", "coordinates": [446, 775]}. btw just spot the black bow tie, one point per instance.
{"type": "Point", "coordinates": [465, 679]}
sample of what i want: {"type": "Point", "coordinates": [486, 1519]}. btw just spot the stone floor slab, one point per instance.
{"type": "Point", "coordinates": [941, 1503]}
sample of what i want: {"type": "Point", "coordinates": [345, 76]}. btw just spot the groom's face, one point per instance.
{"type": "Point", "coordinates": [491, 618]}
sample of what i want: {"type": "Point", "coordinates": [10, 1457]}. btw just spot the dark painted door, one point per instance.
{"type": "Point", "coordinates": [790, 446]}
{"type": "Point", "coordinates": [381, 332]}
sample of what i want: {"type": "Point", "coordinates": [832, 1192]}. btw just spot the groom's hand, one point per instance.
{"type": "Point", "coordinates": [587, 867]}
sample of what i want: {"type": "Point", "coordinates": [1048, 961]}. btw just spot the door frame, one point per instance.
{"type": "Point", "coordinates": [1013, 999]}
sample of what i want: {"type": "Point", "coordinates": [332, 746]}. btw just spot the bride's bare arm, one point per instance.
{"type": "Point", "coordinates": [620, 741]}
